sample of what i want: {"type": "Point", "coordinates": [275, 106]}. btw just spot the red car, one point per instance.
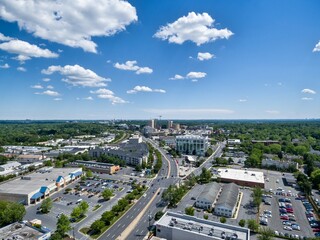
{"type": "Point", "coordinates": [316, 229]}
{"type": "Point", "coordinates": [284, 217]}
{"type": "Point", "coordinates": [289, 210]}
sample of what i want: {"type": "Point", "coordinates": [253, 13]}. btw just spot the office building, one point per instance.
{"type": "Point", "coordinates": [241, 177]}
{"type": "Point", "coordinates": [94, 166]}
{"type": "Point", "coordinates": [192, 144]}
{"type": "Point", "coordinates": [208, 196]}
{"type": "Point", "coordinates": [227, 201]}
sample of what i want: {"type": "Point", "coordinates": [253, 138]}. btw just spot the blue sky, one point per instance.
{"type": "Point", "coordinates": [179, 59]}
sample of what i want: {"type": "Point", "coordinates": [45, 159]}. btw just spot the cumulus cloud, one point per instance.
{"type": "Point", "coordinates": [57, 99]}
{"type": "Point", "coordinates": [137, 89]}
{"type": "Point", "coordinates": [21, 69]}
{"type": "Point", "coordinates": [196, 75]}
{"type": "Point", "coordinates": [4, 38]}
{"type": "Point", "coordinates": [243, 100]}
{"type": "Point", "coordinates": [177, 77]}
{"type": "Point", "coordinates": [49, 93]}
{"type": "Point", "coordinates": [196, 27]}
{"type": "Point", "coordinates": [317, 47]}
{"type": "Point", "coordinates": [6, 65]}
{"type": "Point", "coordinates": [132, 66]}
{"type": "Point", "coordinates": [37, 86]}
{"type": "Point", "coordinates": [309, 91]}
{"type": "Point", "coordinates": [108, 94]}
{"type": "Point", "coordinates": [25, 50]}
{"type": "Point", "coordinates": [50, 87]}
{"type": "Point", "coordinates": [88, 98]}
{"type": "Point", "coordinates": [194, 80]}
{"type": "Point", "coordinates": [46, 79]}
{"type": "Point", "coordinates": [205, 56]}
{"type": "Point", "coordinates": [77, 76]}
{"type": "Point", "coordinates": [70, 23]}
{"type": "Point", "coordinates": [306, 99]}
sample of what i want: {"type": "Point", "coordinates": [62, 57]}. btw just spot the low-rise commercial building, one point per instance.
{"type": "Point", "coordinates": [34, 187]}
{"type": "Point", "coordinates": [24, 231]}
{"type": "Point", "coordinates": [192, 144]}
{"type": "Point", "coordinates": [227, 201]}
{"type": "Point", "coordinates": [175, 226]}
{"type": "Point", "coordinates": [208, 196]}
{"type": "Point", "coordinates": [94, 166]}
{"type": "Point", "coordinates": [268, 162]}
{"type": "Point", "coordinates": [30, 158]}
{"type": "Point", "coordinates": [241, 177]}
{"type": "Point", "coordinates": [10, 166]}
{"type": "Point", "coordinates": [233, 141]}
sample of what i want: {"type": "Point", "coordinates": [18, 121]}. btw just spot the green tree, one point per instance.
{"type": "Point", "coordinates": [76, 213]}
{"type": "Point", "coordinates": [205, 175]}
{"type": "Point", "coordinates": [189, 211]}
{"type": "Point", "coordinates": [205, 216]}
{"type": "Point", "coordinates": [48, 163]}
{"type": "Point", "coordinates": [63, 225]}
{"type": "Point", "coordinates": [257, 196]}
{"type": "Point", "coordinates": [89, 174]}
{"type": "Point", "coordinates": [315, 177]}
{"type": "Point", "coordinates": [97, 226]}
{"type": "Point", "coordinates": [252, 225]}
{"type": "Point", "coordinates": [138, 168]}
{"type": "Point", "coordinates": [242, 223]}
{"type": "Point", "coordinates": [56, 236]}
{"type": "Point", "coordinates": [107, 217]}
{"type": "Point", "coordinates": [265, 234]}
{"type": "Point", "coordinates": [223, 220]}
{"type": "Point", "coordinates": [158, 215]}
{"type": "Point", "coordinates": [107, 194]}
{"type": "Point", "coordinates": [84, 206]}
{"type": "Point", "coordinates": [46, 205]}
{"type": "Point", "coordinates": [10, 212]}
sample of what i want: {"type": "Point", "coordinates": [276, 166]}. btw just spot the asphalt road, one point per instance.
{"type": "Point", "coordinates": [162, 182]}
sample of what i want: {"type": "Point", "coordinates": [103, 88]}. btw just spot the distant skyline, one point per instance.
{"type": "Point", "coordinates": [197, 59]}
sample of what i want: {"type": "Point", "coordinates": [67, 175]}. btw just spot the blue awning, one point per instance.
{"type": "Point", "coordinates": [59, 179]}
{"type": "Point", "coordinates": [76, 174]}
{"type": "Point", "coordinates": [36, 196]}
{"type": "Point", "coordinates": [44, 189]}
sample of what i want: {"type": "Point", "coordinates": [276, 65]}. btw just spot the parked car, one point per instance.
{"type": "Point", "coordinates": [287, 228]}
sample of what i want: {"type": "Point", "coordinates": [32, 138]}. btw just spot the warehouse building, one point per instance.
{"type": "Point", "coordinates": [94, 166]}
{"type": "Point", "coordinates": [32, 188]}
{"type": "Point", "coordinates": [208, 196]}
{"type": "Point", "coordinates": [241, 177]}
{"type": "Point", "coordinates": [175, 226]}
{"type": "Point", "coordinates": [227, 202]}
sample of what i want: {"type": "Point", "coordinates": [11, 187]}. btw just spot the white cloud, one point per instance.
{"type": "Point", "coordinates": [279, 83]}
{"type": "Point", "coordinates": [37, 86]}
{"type": "Point", "coordinates": [46, 79]}
{"type": "Point", "coordinates": [204, 56]}
{"type": "Point", "coordinates": [4, 38]}
{"type": "Point", "coordinates": [71, 23]}
{"type": "Point", "coordinates": [272, 112]}
{"type": "Point", "coordinates": [50, 87]}
{"type": "Point", "coordinates": [137, 89]}
{"type": "Point", "coordinates": [26, 50]}
{"type": "Point", "coordinates": [132, 66]}
{"type": "Point", "coordinates": [108, 94]}
{"type": "Point", "coordinates": [194, 80]}
{"type": "Point", "coordinates": [196, 75]}
{"type": "Point", "coordinates": [49, 93]}
{"type": "Point", "coordinates": [6, 65]}
{"type": "Point", "coordinates": [57, 99]}
{"type": "Point", "coordinates": [177, 77]}
{"type": "Point", "coordinates": [88, 98]}
{"type": "Point", "coordinates": [306, 99]}
{"type": "Point", "coordinates": [309, 91]}
{"type": "Point", "coordinates": [189, 111]}
{"type": "Point", "coordinates": [21, 69]}
{"type": "Point", "coordinates": [77, 76]}
{"type": "Point", "coordinates": [243, 100]}
{"type": "Point", "coordinates": [194, 27]}
{"type": "Point", "coordinates": [317, 47]}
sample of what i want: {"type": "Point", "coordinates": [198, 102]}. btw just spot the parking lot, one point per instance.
{"type": "Point", "coordinates": [296, 210]}
{"type": "Point", "coordinates": [64, 202]}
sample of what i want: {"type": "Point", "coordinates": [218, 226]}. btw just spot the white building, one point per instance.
{"type": "Point", "coordinates": [175, 226]}
{"type": "Point", "coordinates": [9, 166]}
{"type": "Point", "coordinates": [192, 144]}
{"type": "Point", "coordinates": [227, 202]}
{"type": "Point", "coordinates": [233, 141]}
{"type": "Point", "coordinates": [208, 196]}
{"type": "Point", "coordinates": [241, 177]}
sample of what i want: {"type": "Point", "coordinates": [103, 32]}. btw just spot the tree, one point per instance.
{"type": "Point", "coordinates": [252, 225]}
{"type": "Point", "coordinates": [189, 211]}
{"type": "Point", "coordinates": [84, 206]}
{"type": "Point", "coordinates": [89, 174]}
{"type": "Point", "coordinates": [48, 163]}
{"type": "Point", "coordinates": [63, 225]}
{"type": "Point", "coordinates": [107, 217]}
{"type": "Point", "coordinates": [315, 177]}
{"type": "Point", "coordinates": [76, 213]}
{"type": "Point", "coordinates": [10, 212]}
{"type": "Point", "coordinates": [116, 209]}
{"type": "Point", "coordinates": [265, 234]}
{"type": "Point", "coordinates": [138, 168]}
{"type": "Point", "coordinates": [242, 223]}
{"type": "Point", "coordinates": [107, 194]}
{"type": "Point", "coordinates": [205, 216]}
{"type": "Point", "coordinates": [223, 220]}
{"type": "Point", "coordinates": [158, 215]}
{"type": "Point", "coordinates": [205, 175]}
{"type": "Point", "coordinates": [257, 196]}
{"type": "Point", "coordinates": [97, 226]}
{"type": "Point", "coordinates": [46, 205]}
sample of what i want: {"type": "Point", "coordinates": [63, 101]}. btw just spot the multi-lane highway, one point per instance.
{"type": "Point", "coordinates": [163, 180]}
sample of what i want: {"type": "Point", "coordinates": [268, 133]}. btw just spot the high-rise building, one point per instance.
{"type": "Point", "coordinates": [170, 124]}
{"type": "Point", "coordinates": [152, 123]}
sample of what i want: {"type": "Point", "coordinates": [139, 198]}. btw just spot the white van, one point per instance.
{"type": "Point", "coordinates": [79, 201]}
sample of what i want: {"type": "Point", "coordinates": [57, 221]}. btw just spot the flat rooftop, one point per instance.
{"type": "Point", "coordinates": [241, 175]}
{"type": "Point", "coordinates": [192, 225]}
{"type": "Point", "coordinates": [37, 180]}
{"type": "Point", "coordinates": [20, 231]}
